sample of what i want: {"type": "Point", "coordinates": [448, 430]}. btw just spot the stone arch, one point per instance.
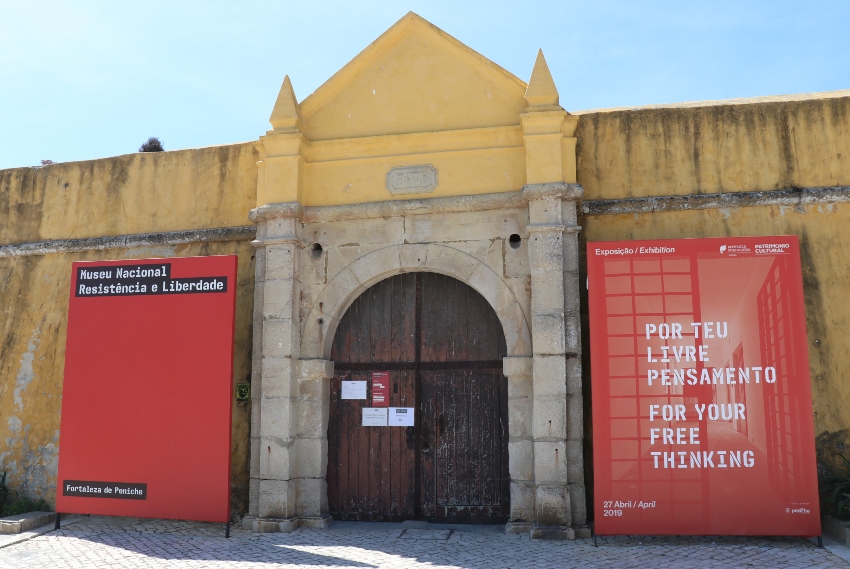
{"type": "Point", "coordinates": [318, 330]}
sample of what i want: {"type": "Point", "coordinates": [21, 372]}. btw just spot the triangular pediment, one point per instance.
{"type": "Point", "coordinates": [413, 78]}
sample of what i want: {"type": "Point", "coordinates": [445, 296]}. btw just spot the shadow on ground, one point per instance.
{"type": "Point", "coordinates": [359, 544]}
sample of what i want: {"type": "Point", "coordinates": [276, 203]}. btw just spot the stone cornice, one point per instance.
{"type": "Point", "coordinates": [793, 197]}
{"type": "Point", "coordinates": [275, 211]}
{"type": "Point", "coordinates": [560, 190]}
{"type": "Point", "coordinates": [397, 208]}
{"type": "Point", "coordinates": [218, 235]}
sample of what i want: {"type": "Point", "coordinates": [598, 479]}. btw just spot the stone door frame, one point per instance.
{"type": "Point", "coordinates": [291, 367]}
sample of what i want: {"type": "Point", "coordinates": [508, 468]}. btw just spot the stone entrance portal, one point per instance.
{"type": "Point", "coordinates": [420, 160]}
{"type": "Point", "coordinates": [442, 345]}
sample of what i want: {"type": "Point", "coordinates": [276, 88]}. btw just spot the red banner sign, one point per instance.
{"type": "Point", "coordinates": [380, 389]}
{"type": "Point", "coordinates": [146, 401]}
{"type": "Point", "coordinates": [702, 410]}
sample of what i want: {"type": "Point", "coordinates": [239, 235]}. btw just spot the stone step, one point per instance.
{"type": "Point", "coordinates": [24, 522]}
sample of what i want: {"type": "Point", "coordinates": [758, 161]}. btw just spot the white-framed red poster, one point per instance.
{"type": "Point", "coordinates": [701, 396]}
{"type": "Point", "coordinates": [146, 399]}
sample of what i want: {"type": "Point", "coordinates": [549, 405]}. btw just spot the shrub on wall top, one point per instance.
{"type": "Point", "coordinates": [152, 144]}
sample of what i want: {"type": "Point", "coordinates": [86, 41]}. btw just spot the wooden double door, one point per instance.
{"type": "Point", "coordinates": [442, 345]}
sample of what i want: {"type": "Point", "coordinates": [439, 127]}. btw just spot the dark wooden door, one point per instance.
{"type": "Point", "coordinates": [443, 346]}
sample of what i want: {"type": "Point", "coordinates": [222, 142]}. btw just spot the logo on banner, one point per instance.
{"type": "Point", "coordinates": [772, 249]}
{"type": "Point", "coordinates": [734, 250]}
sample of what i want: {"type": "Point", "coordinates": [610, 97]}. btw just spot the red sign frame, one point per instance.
{"type": "Point", "coordinates": [380, 389]}
{"type": "Point", "coordinates": [702, 410]}
{"type": "Point", "coordinates": [146, 408]}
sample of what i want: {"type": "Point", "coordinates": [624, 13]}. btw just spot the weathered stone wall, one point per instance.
{"type": "Point", "coordinates": [760, 144]}
{"type": "Point", "coordinates": [135, 193]}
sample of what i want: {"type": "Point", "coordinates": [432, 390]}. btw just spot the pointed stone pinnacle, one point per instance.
{"type": "Point", "coordinates": [541, 91]}
{"type": "Point", "coordinates": [286, 114]}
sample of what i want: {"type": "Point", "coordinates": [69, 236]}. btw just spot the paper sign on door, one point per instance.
{"type": "Point", "coordinates": [374, 417]}
{"type": "Point", "coordinates": [380, 389]}
{"type": "Point", "coordinates": [400, 417]}
{"type": "Point", "coordinates": [353, 390]}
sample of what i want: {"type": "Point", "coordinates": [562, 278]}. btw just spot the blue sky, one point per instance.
{"type": "Point", "coordinates": [87, 79]}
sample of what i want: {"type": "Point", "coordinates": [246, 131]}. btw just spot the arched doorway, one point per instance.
{"type": "Point", "coordinates": [442, 345]}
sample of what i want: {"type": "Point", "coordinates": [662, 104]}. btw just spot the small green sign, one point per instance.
{"type": "Point", "coordinates": [243, 391]}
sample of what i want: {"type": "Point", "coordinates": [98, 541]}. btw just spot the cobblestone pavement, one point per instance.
{"type": "Point", "coordinates": [128, 542]}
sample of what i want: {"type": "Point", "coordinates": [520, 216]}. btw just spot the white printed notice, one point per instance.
{"type": "Point", "coordinates": [400, 417]}
{"type": "Point", "coordinates": [353, 390]}
{"type": "Point", "coordinates": [374, 416]}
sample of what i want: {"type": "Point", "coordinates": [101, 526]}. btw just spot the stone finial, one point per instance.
{"type": "Point", "coordinates": [286, 114]}
{"type": "Point", "coordinates": [541, 91]}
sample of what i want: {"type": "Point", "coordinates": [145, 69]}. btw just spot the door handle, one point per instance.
{"type": "Point", "coordinates": [426, 448]}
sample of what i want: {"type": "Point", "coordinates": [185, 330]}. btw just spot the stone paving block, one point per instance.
{"type": "Point", "coordinates": [155, 544]}
{"type": "Point", "coordinates": [426, 534]}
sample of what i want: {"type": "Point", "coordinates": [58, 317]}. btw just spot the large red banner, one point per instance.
{"type": "Point", "coordinates": [146, 400]}
{"type": "Point", "coordinates": [702, 410]}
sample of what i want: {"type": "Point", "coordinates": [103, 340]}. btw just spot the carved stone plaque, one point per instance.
{"type": "Point", "coordinates": [412, 180]}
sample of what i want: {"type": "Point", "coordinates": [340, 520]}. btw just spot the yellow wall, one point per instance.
{"type": "Point", "coordinates": [481, 161]}
{"type": "Point", "coordinates": [718, 147]}
{"type": "Point", "coordinates": [414, 78]}
{"type": "Point", "coordinates": [34, 294]}
{"type": "Point", "coordinates": [415, 96]}
{"type": "Point", "coordinates": [135, 193]}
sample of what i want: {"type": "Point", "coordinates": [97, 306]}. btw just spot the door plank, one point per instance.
{"type": "Point", "coordinates": [429, 439]}
{"type": "Point", "coordinates": [476, 465]}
